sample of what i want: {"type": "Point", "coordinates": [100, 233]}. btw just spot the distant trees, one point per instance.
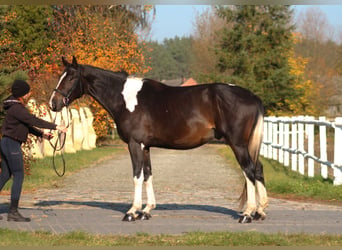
{"type": "Point", "coordinates": [206, 37]}
{"type": "Point", "coordinates": [316, 43]}
{"type": "Point", "coordinates": [294, 67]}
{"type": "Point", "coordinates": [171, 59]}
{"type": "Point", "coordinates": [254, 52]}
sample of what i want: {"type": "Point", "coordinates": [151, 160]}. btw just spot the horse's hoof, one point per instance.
{"type": "Point", "coordinates": [258, 216]}
{"type": "Point", "coordinates": [245, 219]}
{"type": "Point", "coordinates": [128, 217]}
{"type": "Point", "coordinates": [144, 216]}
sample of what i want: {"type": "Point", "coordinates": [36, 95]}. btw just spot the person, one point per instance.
{"type": "Point", "coordinates": [18, 123]}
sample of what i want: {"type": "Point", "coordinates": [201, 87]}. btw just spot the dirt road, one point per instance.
{"type": "Point", "coordinates": [196, 190]}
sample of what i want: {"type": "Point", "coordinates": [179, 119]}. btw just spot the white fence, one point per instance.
{"type": "Point", "coordinates": [291, 141]}
{"type": "Point", "coordinates": [80, 136]}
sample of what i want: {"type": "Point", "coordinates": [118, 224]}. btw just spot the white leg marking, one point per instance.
{"type": "Point", "coordinates": [263, 200]}
{"type": "Point", "coordinates": [130, 91]}
{"type": "Point", "coordinates": [151, 201]}
{"type": "Point", "coordinates": [54, 92]}
{"type": "Point", "coordinates": [251, 202]}
{"type": "Point", "coordinates": [137, 203]}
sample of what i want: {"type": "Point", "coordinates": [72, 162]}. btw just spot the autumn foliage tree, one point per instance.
{"type": "Point", "coordinates": [102, 36]}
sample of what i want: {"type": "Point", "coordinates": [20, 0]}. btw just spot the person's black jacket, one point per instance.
{"type": "Point", "coordinates": [19, 122]}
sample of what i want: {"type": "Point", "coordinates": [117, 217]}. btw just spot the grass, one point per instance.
{"type": "Point", "coordinates": [14, 238]}
{"type": "Point", "coordinates": [42, 174]}
{"type": "Point", "coordinates": [282, 182]}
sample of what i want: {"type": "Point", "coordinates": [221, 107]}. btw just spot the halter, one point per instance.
{"type": "Point", "coordinates": [59, 140]}
{"type": "Point", "coordinates": [73, 87]}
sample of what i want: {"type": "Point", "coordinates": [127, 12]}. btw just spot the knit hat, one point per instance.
{"type": "Point", "coordinates": [20, 88]}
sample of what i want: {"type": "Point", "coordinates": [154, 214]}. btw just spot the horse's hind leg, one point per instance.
{"type": "Point", "coordinates": [261, 190]}
{"type": "Point", "coordinates": [243, 157]}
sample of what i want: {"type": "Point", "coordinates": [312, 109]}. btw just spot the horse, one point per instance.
{"type": "Point", "coordinates": [148, 113]}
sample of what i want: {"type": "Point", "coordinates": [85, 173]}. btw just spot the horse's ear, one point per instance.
{"type": "Point", "coordinates": [74, 62]}
{"type": "Point", "coordinates": [65, 62]}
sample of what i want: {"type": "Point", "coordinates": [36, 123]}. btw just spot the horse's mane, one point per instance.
{"type": "Point", "coordinates": [122, 74]}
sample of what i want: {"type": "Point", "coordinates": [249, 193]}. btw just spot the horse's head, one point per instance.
{"type": "Point", "coordinates": [69, 86]}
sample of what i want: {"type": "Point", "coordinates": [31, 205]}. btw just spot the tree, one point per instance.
{"type": "Point", "coordinates": [101, 36]}
{"type": "Point", "coordinates": [34, 38]}
{"type": "Point", "coordinates": [163, 66]}
{"type": "Point", "coordinates": [254, 52]}
{"type": "Point", "coordinates": [206, 37]}
{"type": "Point", "coordinates": [322, 53]}
{"type": "Point", "coordinates": [171, 59]}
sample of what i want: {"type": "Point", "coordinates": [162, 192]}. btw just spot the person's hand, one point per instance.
{"type": "Point", "coordinates": [62, 128]}
{"type": "Point", "coordinates": [47, 136]}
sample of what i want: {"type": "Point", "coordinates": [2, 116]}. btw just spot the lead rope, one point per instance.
{"type": "Point", "coordinates": [58, 146]}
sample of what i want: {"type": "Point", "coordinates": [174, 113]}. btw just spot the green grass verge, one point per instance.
{"type": "Point", "coordinates": [14, 238]}
{"type": "Point", "coordinates": [42, 174]}
{"type": "Point", "coordinates": [282, 182]}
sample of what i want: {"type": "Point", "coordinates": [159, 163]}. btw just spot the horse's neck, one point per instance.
{"type": "Point", "coordinates": [107, 92]}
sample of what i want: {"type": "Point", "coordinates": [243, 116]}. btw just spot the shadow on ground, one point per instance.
{"type": "Point", "coordinates": [124, 207]}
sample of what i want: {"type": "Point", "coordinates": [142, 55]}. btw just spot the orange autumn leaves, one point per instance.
{"type": "Point", "coordinates": [92, 35]}
{"type": "Point", "coordinates": [310, 91]}
{"type": "Point", "coordinates": [98, 41]}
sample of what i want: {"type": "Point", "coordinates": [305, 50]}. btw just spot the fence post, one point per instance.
{"type": "Point", "coordinates": [263, 150]}
{"type": "Point", "coordinates": [323, 147]}
{"type": "Point", "coordinates": [286, 141]}
{"type": "Point", "coordinates": [269, 137]}
{"type": "Point", "coordinates": [301, 145]}
{"type": "Point", "coordinates": [337, 153]}
{"type": "Point", "coordinates": [311, 146]}
{"type": "Point", "coordinates": [281, 140]}
{"type": "Point", "coordinates": [275, 138]}
{"type": "Point", "coordinates": [294, 144]}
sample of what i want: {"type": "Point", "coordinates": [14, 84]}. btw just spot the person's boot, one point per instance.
{"type": "Point", "coordinates": [0, 217]}
{"type": "Point", "coordinates": [14, 214]}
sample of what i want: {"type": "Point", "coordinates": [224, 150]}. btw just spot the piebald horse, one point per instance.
{"type": "Point", "coordinates": [149, 114]}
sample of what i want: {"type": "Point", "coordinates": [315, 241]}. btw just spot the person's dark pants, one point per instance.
{"type": "Point", "coordinates": [12, 164]}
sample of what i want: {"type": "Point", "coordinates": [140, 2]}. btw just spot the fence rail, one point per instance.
{"type": "Point", "coordinates": [291, 141]}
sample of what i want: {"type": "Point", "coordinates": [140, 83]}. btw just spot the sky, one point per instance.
{"type": "Point", "coordinates": [178, 20]}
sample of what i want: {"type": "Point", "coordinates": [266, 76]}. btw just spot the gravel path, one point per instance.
{"type": "Point", "coordinates": [195, 190]}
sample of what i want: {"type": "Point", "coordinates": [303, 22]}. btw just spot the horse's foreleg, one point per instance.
{"type": "Point", "coordinates": [131, 214]}
{"type": "Point", "coordinates": [137, 158]}
{"type": "Point", "coordinates": [151, 201]}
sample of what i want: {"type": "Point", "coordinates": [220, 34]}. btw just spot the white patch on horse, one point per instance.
{"type": "Point", "coordinates": [142, 146]}
{"type": "Point", "coordinates": [137, 203]}
{"type": "Point", "coordinates": [151, 200]}
{"type": "Point", "coordinates": [251, 202]}
{"type": "Point", "coordinates": [130, 91]}
{"type": "Point", "coordinates": [54, 92]}
{"type": "Point", "coordinates": [231, 84]}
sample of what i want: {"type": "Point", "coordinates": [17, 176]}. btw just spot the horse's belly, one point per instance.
{"type": "Point", "coordinates": [191, 139]}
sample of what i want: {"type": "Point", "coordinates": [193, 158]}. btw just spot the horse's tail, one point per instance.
{"type": "Point", "coordinates": [254, 146]}
{"type": "Point", "coordinates": [255, 140]}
